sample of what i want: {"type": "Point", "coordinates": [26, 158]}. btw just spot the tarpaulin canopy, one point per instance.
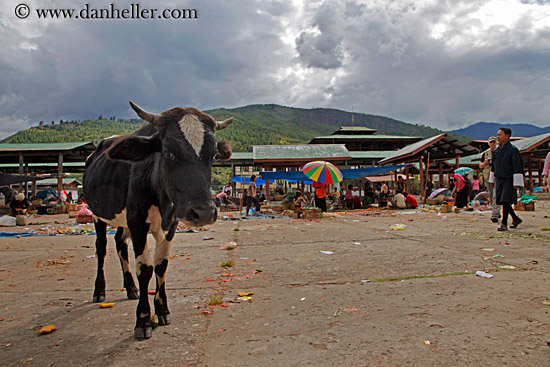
{"type": "Point", "coordinates": [6, 179]}
{"type": "Point", "coordinates": [246, 180]}
{"type": "Point", "coordinates": [346, 173]}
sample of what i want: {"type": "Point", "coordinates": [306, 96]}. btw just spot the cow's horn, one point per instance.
{"type": "Point", "coordinates": [223, 124]}
{"type": "Point", "coordinates": [147, 116]}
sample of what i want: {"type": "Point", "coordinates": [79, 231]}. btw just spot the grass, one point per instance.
{"type": "Point", "coordinates": [214, 301]}
{"type": "Point", "coordinates": [395, 279]}
{"type": "Point", "coordinates": [228, 264]}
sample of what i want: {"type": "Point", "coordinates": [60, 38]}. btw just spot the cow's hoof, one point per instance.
{"type": "Point", "coordinates": [165, 319]}
{"type": "Point", "coordinates": [141, 333]}
{"type": "Point", "coordinates": [132, 294]}
{"type": "Point", "coordinates": [98, 298]}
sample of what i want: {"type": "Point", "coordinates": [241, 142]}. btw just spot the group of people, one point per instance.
{"type": "Point", "coordinates": [502, 170]}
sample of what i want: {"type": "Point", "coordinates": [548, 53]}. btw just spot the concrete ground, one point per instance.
{"type": "Point", "coordinates": [346, 291]}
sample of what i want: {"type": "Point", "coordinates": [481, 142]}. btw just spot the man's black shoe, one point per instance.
{"type": "Point", "coordinates": [494, 219]}
{"type": "Point", "coordinates": [502, 228]}
{"type": "Point", "coordinates": [516, 223]}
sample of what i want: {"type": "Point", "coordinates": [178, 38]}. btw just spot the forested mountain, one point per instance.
{"type": "Point", "coordinates": [253, 125]}
{"type": "Point", "coordinates": [484, 130]}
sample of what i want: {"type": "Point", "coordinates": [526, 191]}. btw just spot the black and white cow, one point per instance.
{"type": "Point", "coordinates": [145, 182]}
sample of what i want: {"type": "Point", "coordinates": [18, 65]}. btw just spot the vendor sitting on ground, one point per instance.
{"type": "Point", "coordinates": [299, 203]}
{"type": "Point", "coordinates": [483, 198]}
{"type": "Point", "coordinates": [383, 200]}
{"type": "Point", "coordinates": [335, 195]}
{"type": "Point", "coordinates": [399, 201]}
{"type": "Point", "coordinates": [19, 205]}
{"type": "Point", "coordinates": [351, 201]}
{"type": "Point", "coordinates": [411, 201]}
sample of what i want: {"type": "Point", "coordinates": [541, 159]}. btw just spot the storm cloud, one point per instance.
{"type": "Point", "coordinates": [439, 63]}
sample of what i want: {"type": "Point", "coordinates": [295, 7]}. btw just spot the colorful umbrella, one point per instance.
{"type": "Point", "coordinates": [463, 171]}
{"type": "Point", "coordinates": [323, 172]}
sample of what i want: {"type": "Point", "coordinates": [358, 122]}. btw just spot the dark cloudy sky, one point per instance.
{"type": "Point", "coordinates": [446, 64]}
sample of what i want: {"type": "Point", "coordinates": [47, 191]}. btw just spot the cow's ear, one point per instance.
{"type": "Point", "coordinates": [135, 148]}
{"type": "Point", "coordinates": [223, 150]}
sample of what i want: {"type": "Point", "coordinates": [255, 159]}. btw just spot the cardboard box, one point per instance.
{"type": "Point", "coordinates": [525, 207]}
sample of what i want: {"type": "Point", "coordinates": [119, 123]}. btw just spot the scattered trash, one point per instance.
{"type": "Point", "coordinates": [228, 246]}
{"type": "Point", "coordinates": [498, 255]}
{"type": "Point", "coordinates": [47, 329]}
{"type": "Point", "coordinates": [106, 305]}
{"type": "Point", "coordinates": [509, 267]}
{"type": "Point", "coordinates": [205, 238]}
{"type": "Point", "coordinates": [327, 252]}
{"type": "Point", "coordinates": [398, 227]}
{"type": "Point", "coordinates": [337, 313]}
{"type": "Point", "coordinates": [303, 299]}
{"type": "Point", "coordinates": [442, 216]}
{"type": "Point", "coordinates": [154, 320]}
{"type": "Point", "coordinates": [90, 256]}
{"type": "Point", "coordinates": [483, 274]}
{"type": "Point", "coordinates": [546, 303]}
{"type": "Point", "coordinates": [351, 309]}
{"type": "Point", "coordinates": [151, 292]}
{"type": "Point", "coordinates": [488, 249]}
{"type": "Point", "coordinates": [245, 294]}
{"type": "Point", "coordinates": [356, 243]}
{"type": "Point", "coordinates": [427, 342]}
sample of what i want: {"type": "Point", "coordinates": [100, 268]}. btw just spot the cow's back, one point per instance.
{"type": "Point", "coordinates": [106, 182]}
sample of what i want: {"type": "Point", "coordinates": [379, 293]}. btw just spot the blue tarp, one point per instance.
{"type": "Point", "coordinates": [246, 180]}
{"type": "Point", "coordinates": [346, 173]}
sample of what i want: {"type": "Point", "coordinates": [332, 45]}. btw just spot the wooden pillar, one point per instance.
{"type": "Point", "coordinates": [440, 174]}
{"type": "Point", "coordinates": [531, 183]}
{"type": "Point", "coordinates": [421, 169]}
{"type": "Point", "coordinates": [26, 182]}
{"type": "Point", "coordinates": [407, 183]}
{"type": "Point", "coordinates": [457, 165]}
{"type": "Point", "coordinates": [60, 175]}
{"type": "Point", "coordinates": [20, 170]}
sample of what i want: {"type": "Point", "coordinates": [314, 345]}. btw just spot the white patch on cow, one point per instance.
{"type": "Point", "coordinates": [162, 246]}
{"type": "Point", "coordinates": [193, 130]}
{"type": "Point", "coordinates": [118, 221]}
{"type": "Point", "coordinates": [143, 259]}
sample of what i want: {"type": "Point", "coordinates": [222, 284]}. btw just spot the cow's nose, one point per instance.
{"type": "Point", "coordinates": [201, 215]}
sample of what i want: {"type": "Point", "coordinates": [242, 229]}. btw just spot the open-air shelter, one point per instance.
{"type": "Point", "coordinates": [434, 150]}
{"type": "Point", "coordinates": [42, 158]}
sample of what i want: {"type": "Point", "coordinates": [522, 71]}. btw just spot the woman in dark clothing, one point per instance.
{"type": "Point", "coordinates": [461, 190]}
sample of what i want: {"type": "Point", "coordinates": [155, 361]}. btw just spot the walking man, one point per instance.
{"type": "Point", "coordinates": [251, 193]}
{"type": "Point", "coordinates": [507, 175]}
{"type": "Point", "coordinates": [485, 165]}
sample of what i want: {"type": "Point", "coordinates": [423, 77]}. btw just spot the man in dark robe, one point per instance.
{"type": "Point", "coordinates": [507, 176]}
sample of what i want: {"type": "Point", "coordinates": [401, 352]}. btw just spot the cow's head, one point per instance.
{"type": "Point", "coordinates": [183, 149]}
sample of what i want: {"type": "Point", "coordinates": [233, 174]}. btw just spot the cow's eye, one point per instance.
{"type": "Point", "coordinates": [169, 155]}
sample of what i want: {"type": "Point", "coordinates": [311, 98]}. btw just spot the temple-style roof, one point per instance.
{"type": "Point", "coordinates": [297, 153]}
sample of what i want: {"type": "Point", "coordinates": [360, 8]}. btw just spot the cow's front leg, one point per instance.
{"type": "Point", "coordinates": [101, 251]}
{"type": "Point", "coordinates": [144, 272]}
{"type": "Point", "coordinates": [121, 239]}
{"type": "Point", "coordinates": [162, 252]}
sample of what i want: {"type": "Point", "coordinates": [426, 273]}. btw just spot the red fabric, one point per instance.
{"type": "Point", "coordinates": [320, 189]}
{"type": "Point", "coordinates": [412, 201]}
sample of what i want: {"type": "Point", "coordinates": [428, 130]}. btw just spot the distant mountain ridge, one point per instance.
{"type": "Point", "coordinates": [484, 130]}
{"type": "Point", "coordinates": [253, 125]}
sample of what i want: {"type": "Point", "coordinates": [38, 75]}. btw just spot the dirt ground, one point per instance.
{"type": "Point", "coordinates": [345, 291]}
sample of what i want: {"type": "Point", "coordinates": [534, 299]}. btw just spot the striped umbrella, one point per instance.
{"type": "Point", "coordinates": [323, 172]}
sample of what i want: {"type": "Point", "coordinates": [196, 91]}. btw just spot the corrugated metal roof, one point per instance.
{"type": "Point", "coordinates": [440, 146]}
{"type": "Point", "coordinates": [41, 146]}
{"type": "Point", "coordinates": [371, 154]}
{"type": "Point", "coordinates": [367, 137]}
{"type": "Point", "coordinates": [53, 181]}
{"type": "Point", "coordinates": [527, 144]}
{"type": "Point", "coordinates": [242, 155]}
{"type": "Point", "coordinates": [53, 165]}
{"type": "Point", "coordinates": [300, 152]}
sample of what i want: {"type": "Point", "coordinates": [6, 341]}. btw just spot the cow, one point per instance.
{"type": "Point", "coordinates": [145, 182]}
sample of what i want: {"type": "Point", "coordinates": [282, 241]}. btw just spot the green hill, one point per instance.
{"type": "Point", "coordinates": [253, 125]}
